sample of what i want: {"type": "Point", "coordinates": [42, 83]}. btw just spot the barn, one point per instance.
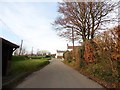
{"type": "Point", "coordinates": [7, 50]}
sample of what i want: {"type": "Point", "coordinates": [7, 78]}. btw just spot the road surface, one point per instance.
{"type": "Point", "coordinates": [57, 75]}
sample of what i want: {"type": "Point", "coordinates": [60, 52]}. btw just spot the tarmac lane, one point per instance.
{"type": "Point", "coordinates": [57, 75]}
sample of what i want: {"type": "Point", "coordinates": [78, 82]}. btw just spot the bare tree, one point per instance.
{"type": "Point", "coordinates": [86, 18]}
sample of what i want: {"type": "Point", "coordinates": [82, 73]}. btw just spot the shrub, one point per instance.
{"type": "Point", "coordinates": [20, 57]}
{"type": "Point", "coordinates": [82, 62]}
{"type": "Point", "coordinates": [48, 57]}
{"type": "Point", "coordinates": [35, 57]}
{"type": "Point", "coordinates": [67, 56]}
{"type": "Point", "coordinates": [118, 68]}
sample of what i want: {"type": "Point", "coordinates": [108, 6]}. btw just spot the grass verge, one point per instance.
{"type": "Point", "coordinates": [19, 66]}
{"type": "Point", "coordinates": [103, 78]}
{"type": "Point", "coordinates": [22, 68]}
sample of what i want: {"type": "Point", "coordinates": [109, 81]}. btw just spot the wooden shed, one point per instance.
{"type": "Point", "coordinates": [7, 51]}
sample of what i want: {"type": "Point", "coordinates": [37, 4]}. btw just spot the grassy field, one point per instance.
{"type": "Point", "coordinates": [25, 64]}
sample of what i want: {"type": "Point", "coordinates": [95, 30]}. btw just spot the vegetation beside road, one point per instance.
{"type": "Point", "coordinates": [98, 54]}
{"type": "Point", "coordinates": [100, 71]}
{"type": "Point", "coordinates": [22, 66]}
{"type": "Point", "coordinates": [99, 58]}
{"type": "Point", "coordinates": [27, 63]}
{"type": "Point", "coordinates": [47, 57]}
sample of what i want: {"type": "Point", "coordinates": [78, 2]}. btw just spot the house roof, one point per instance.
{"type": "Point", "coordinates": [71, 47]}
{"type": "Point", "coordinates": [8, 43]}
{"type": "Point", "coordinates": [60, 51]}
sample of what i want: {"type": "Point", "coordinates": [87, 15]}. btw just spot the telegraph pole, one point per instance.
{"type": "Point", "coordinates": [32, 51]}
{"type": "Point", "coordinates": [73, 42]}
{"type": "Point", "coordinates": [21, 47]}
{"type": "Point", "coordinates": [73, 37]}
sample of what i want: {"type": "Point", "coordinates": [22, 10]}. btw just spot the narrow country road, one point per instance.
{"type": "Point", "coordinates": [57, 75]}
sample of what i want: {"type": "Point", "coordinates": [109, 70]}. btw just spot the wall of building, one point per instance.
{"type": "Point", "coordinates": [59, 55]}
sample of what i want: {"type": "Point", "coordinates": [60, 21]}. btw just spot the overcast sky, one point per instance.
{"type": "Point", "coordinates": [31, 22]}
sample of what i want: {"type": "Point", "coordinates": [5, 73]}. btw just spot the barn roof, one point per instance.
{"type": "Point", "coordinates": [71, 47]}
{"type": "Point", "coordinates": [60, 51]}
{"type": "Point", "coordinates": [9, 43]}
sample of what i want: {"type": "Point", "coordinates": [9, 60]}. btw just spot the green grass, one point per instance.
{"type": "Point", "coordinates": [39, 57]}
{"type": "Point", "coordinates": [30, 57]}
{"type": "Point", "coordinates": [22, 66]}
{"type": "Point", "coordinates": [35, 57]}
{"type": "Point", "coordinates": [20, 57]}
{"type": "Point", "coordinates": [28, 65]}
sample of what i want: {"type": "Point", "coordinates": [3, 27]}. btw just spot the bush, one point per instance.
{"type": "Point", "coordinates": [47, 57]}
{"type": "Point", "coordinates": [82, 62]}
{"type": "Point", "coordinates": [69, 61]}
{"type": "Point", "coordinates": [35, 57]}
{"type": "Point", "coordinates": [118, 68]}
{"type": "Point", "coordinates": [67, 55]}
{"type": "Point", "coordinates": [20, 57]}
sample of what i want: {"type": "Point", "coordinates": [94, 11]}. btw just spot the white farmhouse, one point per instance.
{"type": "Point", "coordinates": [59, 54]}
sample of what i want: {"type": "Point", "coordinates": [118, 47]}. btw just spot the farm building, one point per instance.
{"type": "Point", "coordinates": [7, 50]}
{"type": "Point", "coordinates": [69, 48]}
{"type": "Point", "coordinates": [59, 54]}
